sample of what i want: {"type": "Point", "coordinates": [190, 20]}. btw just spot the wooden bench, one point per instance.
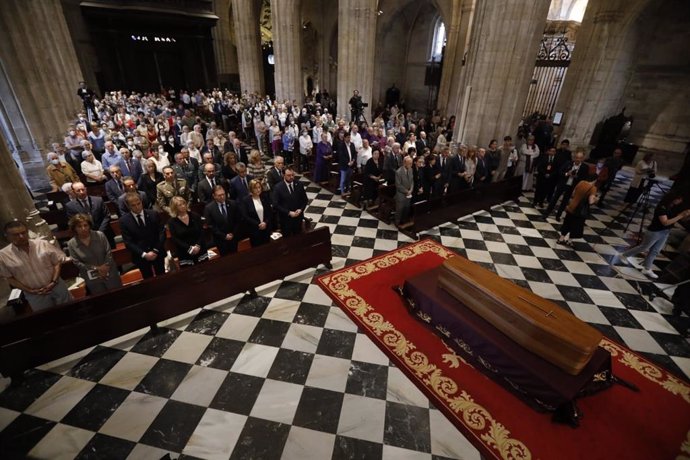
{"type": "Point", "coordinates": [28, 339]}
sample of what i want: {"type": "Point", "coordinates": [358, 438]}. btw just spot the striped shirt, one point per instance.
{"type": "Point", "coordinates": [34, 269]}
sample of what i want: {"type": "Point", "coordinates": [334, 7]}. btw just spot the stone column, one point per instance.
{"type": "Point", "coordinates": [246, 20]}
{"type": "Point", "coordinates": [356, 43]}
{"type": "Point", "coordinates": [287, 48]}
{"type": "Point", "coordinates": [594, 85]}
{"type": "Point", "coordinates": [452, 55]}
{"type": "Point", "coordinates": [223, 47]}
{"type": "Point", "coordinates": [499, 66]}
{"type": "Point", "coordinates": [43, 72]}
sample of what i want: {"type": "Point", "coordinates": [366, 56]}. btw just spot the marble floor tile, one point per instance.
{"type": "Point", "coordinates": [653, 321]}
{"type": "Point", "coordinates": [639, 340]}
{"type": "Point", "coordinates": [281, 310]}
{"type": "Point", "coordinates": [216, 435]}
{"type": "Point", "coordinates": [400, 389]}
{"type": "Point", "coordinates": [337, 319]}
{"type": "Point", "coordinates": [131, 420]}
{"type": "Point", "coordinates": [398, 453]}
{"type": "Point", "coordinates": [129, 371]}
{"type": "Point", "coordinates": [173, 426]}
{"type": "Point", "coordinates": [476, 255]}
{"type": "Point", "coordinates": [62, 442]}
{"type": "Point", "coordinates": [96, 364]}
{"type": "Point", "coordinates": [237, 393]}
{"type": "Point", "coordinates": [338, 344]}
{"type": "Point", "coordinates": [207, 322]}
{"type": "Point", "coordinates": [66, 363]}
{"type": "Point", "coordinates": [349, 448]}
{"type": "Point", "coordinates": [55, 403]}
{"type": "Point", "coordinates": [21, 396]}
{"type": "Point", "coordinates": [604, 298]}
{"type": "Point", "coordinates": [588, 313]}
{"type": "Point", "coordinates": [22, 435]}
{"type": "Point", "coordinates": [255, 359]}
{"type": "Point", "coordinates": [238, 327]}
{"type": "Point", "coordinates": [277, 401]}
{"type": "Point", "coordinates": [269, 332]}
{"type": "Point", "coordinates": [328, 373]}
{"type": "Point", "coordinates": [199, 386]}
{"type": "Point", "coordinates": [156, 343]}
{"type": "Point", "coordinates": [261, 439]}
{"type": "Point", "coordinates": [362, 418]}
{"type": "Point", "coordinates": [163, 378]}
{"type": "Point", "coordinates": [312, 314]}
{"type": "Point", "coordinates": [291, 366]}
{"type": "Point", "coordinates": [96, 407]}
{"type": "Point", "coordinates": [366, 351]}
{"type": "Point", "coordinates": [546, 290]}
{"type": "Point", "coordinates": [407, 427]}
{"type": "Point", "coordinates": [319, 409]}
{"type": "Point", "coordinates": [188, 347]}
{"type": "Point", "coordinates": [366, 379]}
{"type": "Point", "coordinates": [303, 443]}
{"type": "Point", "coordinates": [447, 441]}
{"type": "Point", "coordinates": [527, 261]}
{"type": "Point", "coordinates": [103, 446]}
{"type": "Point", "coordinates": [7, 416]}
{"type": "Point", "coordinates": [220, 353]}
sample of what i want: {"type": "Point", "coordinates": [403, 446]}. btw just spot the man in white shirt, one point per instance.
{"type": "Point", "coordinates": [355, 137]}
{"type": "Point", "coordinates": [363, 155]}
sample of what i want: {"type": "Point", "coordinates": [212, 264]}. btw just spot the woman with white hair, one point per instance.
{"type": "Point", "coordinates": [92, 168]}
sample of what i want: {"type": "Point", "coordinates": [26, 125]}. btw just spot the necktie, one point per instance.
{"type": "Point", "coordinates": [213, 183]}
{"type": "Point", "coordinates": [119, 185]}
{"type": "Point", "coordinates": [85, 204]}
{"type": "Point", "coordinates": [129, 166]}
{"type": "Point", "coordinates": [140, 221]}
{"type": "Point", "coordinates": [223, 210]}
{"type": "Point", "coordinates": [244, 181]}
{"type": "Point", "coordinates": [290, 188]}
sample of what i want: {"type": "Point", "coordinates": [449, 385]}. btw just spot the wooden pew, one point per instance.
{"type": "Point", "coordinates": [436, 211]}
{"type": "Point", "coordinates": [28, 339]}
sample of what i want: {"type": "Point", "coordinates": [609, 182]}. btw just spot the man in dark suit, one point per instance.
{"type": "Point", "coordinates": [130, 187]}
{"type": "Point", "coordinates": [275, 174]}
{"type": "Point", "coordinates": [569, 175]}
{"type": "Point", "coordinates": [240, 152]}
{"type": "Point", "coordinates": [208, 183]}
{"type": "Point", "coordinates": [93, 206]}
{"type": "Point", "coordinates": [144, 236]}
{"type": "Point", "coordinates": [290, 200]}
{"type": "Point", "coordinates": [239, 185]}
{"type": "Point", "coordinates": [114, 186]}
{"type": "Point", "coordinates": [131, 166]}
{"type": "Point", "coordinates": [223, 217]}
{"type": "Point", "coordinates": [457, 179]}
{"type": "Point", "coordinates": [482, 175]}
{"type": "Point", "coordinates": [547, 177]}
{"type": "Point", "coordinates": [347, 158]}
{"type": "Point", "coordinates": [210, 147]}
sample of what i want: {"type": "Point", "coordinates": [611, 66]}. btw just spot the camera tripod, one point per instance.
{"type": "Point", "coordinates": [641, 203]}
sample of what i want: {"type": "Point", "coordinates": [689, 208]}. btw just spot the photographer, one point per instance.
{"type": "Point", "coordinates": [356, 106]}
{"type": "Point", "coordinates": [645, 169]}
{"type": "Point", "coordinates": [667, 213]}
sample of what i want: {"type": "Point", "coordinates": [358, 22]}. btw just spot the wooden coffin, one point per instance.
{"type": "Point", "coordinates": [533, 322]}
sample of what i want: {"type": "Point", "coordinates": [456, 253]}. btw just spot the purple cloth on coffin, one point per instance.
{"type": "Point", "coordinates": [534, 380]}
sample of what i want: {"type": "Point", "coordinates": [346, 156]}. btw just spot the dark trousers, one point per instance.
{"type": "Point", "coordinates": [544, 191]}
{"type": "Point", "coordinates": [227, 247]}
{"type": "Point", "coordinates": [147, 268]}
{"type": "Point", "coordinates": [564, 190]}
{"type": "Point", "coordinates": [290, 225]}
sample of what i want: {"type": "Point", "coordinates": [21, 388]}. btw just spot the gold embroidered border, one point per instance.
{"type": "Point", "coordinates": [494, 434]}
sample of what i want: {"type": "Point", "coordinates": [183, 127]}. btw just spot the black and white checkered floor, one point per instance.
{"type": "Point", "coordinates": [287, 375]}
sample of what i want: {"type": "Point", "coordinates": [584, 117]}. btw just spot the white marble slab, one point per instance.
{"type": "Point", "coordinates": [129, 371]}
{"type": "Point", "coordinates": [238, 327]}
{"type": "Point", "coordinates": [277, 401]}
{"type": "Point", "coordinates": [401, 390]}
{"type": "Point", "coordinates": [61, 398]}
{"type": "Point", "coordinates": [328, 373]}
{"type": "Point", "coordinates": [303, 444]}
{"type": "Point", "coordinates": [316, 295]}
{"type": "Point", "coordinates": [302, 337]}
{"type": "Point", "coordinates": [199, 386]}
{"type": "Point", "coordinates": [188, 347]}
{"type": "Point", "coordinates": [447, 441]}
{"type": "Point", "coordinates": [7, 416]}
{"type": "Point", "coordinates": [281, 310]}
{"type": "Point", "coordinates": [134, 416]}
{"type": "Point", "coordinates": [362, 418]}
{"type": "Point", "coordinates": [366, 350]}
{"type": "Point", "coordinates": [216, 435]}
{"type": "Point", "coordinates": [337, 319]}
{"type": "Point", "coordinates": [62, 442]}
{"type": "Point", "coordinates": [255, 359]}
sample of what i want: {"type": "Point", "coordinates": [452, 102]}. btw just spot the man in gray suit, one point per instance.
{"type": "Point", "coordinates": [404, 183]}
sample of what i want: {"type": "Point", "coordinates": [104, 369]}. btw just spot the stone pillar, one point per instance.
{"type": "Point", "coordinates": [356, 43]}
{"type": "Point", "coordinates": [503, 48]}
{"type": "Point", "coordinates": [452, 58]}
{"type": "Point", "coordinates": [43, 72]}
{"type": "Point", "coordinates": [246, 20]}
{"type": "Point", "coordinates": [15, 201]}
{"type": "Point", "coordinates": [594, 86]}
{"type": "Point", "coordinates": [287, 47]}
{"type": "Point", "coordinates": [223, 47]}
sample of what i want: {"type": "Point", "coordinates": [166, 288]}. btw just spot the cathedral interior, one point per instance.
{"type": "Point", "coordinates": [283, 372]}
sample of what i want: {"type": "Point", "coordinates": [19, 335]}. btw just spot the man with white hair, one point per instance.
{"type": "Point", "coordinates": [197, 137]}
{"type": "Point", "coordinates": [363, 155]}
{"type": "Point", "coordinates": [59, 172]}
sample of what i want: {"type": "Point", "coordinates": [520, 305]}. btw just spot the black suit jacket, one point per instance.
{"type": "Point", "coordinates": [581, 173]}
{"type": "Point", "coordinates": [251, 218]}
{"type": "Point", "coordinates": [284, 201]}
{"type": "Point", "coordinates": [483, 170]}
{"type": "Point", "coordinates": [134, 172]}
{"type": "Point", "coordinates": [273, 177]}
{"type": "Point", "coordinates": [112, 191]}
{"type": "Point", "coordinates": [343, 158]}
{"type": "Point", "coordinates": [98, 212]}
{"type": "Point", "coordinates": [204, 191]}
{"type": "Point", "coordinates": [219, 224]}
{"type": "Point", "coordinates": [138, 239]}
{"type": "Point", "coordinates": [237, 188]}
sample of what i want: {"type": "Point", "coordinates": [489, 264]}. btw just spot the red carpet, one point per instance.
{"type": "Point", "coordinates": [618, 423]}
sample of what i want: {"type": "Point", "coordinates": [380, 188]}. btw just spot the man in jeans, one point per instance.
{"type": "Point", "coordinates": [667, 213]}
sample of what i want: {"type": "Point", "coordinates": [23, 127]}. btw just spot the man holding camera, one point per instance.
{"type": "Point", "coordinates": [356, 106]}
{"type": "Point", "coordinates": [570, 174]}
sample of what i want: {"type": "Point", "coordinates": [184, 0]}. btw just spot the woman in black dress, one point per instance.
{"type": "Point", "coordinates": [421, 191]}
{"type": "Point", "coordinates": [432, 177]}
{"type": "Point", "coordinates": [148, 181]}
{"type": "Point", "coordinates": [373, 172]}
{"type": "Point", "coordinates": [187, 232]}
{"type": "Point", "coordinates": [257, 214]}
